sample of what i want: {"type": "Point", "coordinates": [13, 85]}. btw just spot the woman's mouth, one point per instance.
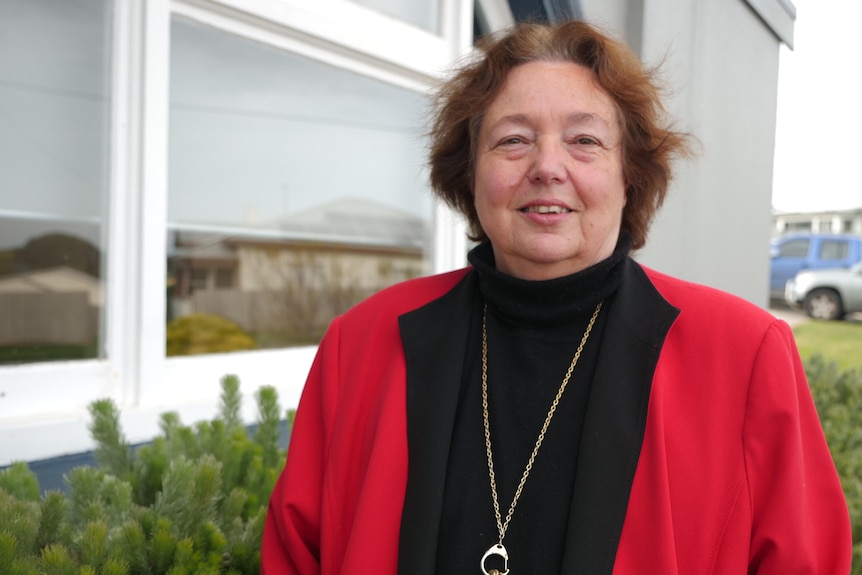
{"type": "Point", "coordinates": [545, 210]}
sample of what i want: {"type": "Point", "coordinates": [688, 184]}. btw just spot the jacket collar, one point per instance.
{"type": "Point", "coordinates": [434, 339]}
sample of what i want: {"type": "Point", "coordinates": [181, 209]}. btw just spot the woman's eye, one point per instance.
{"type": "Point", "coordinates": [585, 141]}
{"type": "Point", "coordinates": [512, 140]}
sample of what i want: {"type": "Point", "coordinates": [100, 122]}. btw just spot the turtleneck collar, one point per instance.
{"type": "Point", "coordinates": [547, 302]}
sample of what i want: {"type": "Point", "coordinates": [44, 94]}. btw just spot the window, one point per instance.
{"type": "Point", "coordinates": [308, 179]}
{"type": "Point", "coordinates": [794, 249]}
{"type": "Point", "coordinates": [224, 279]}
{"type": "Point", "coordinates": [804, 226]}
{"type": "Point", "coordinates": [54, 105]}
{"type": "Point", "coordinates": [199, 279]}
{"type": "Point", "coordinates": [834, 250]}
{"type": "Point", "coordinates": [165, 159]}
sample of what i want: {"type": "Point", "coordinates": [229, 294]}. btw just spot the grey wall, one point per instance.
{"type": "Point", "coordinates": [721, 60]}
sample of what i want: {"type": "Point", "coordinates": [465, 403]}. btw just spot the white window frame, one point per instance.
{"type": "Point", "coordinates": [43, 406]}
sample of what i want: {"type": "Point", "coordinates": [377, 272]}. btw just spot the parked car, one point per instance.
{"type": "Point", "coordinates": [793, 253]}
{"type": "Point", "coordinates": [826, 294]}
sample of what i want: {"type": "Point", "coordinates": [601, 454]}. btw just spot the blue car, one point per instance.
{"type": "Point", "coordinates": [793, 253]}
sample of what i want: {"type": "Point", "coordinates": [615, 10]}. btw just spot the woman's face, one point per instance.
{"type": "Point", "coordinates": [549, 187]}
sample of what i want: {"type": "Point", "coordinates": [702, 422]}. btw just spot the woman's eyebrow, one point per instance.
{"type": "Point", "coordinates": [587, 118]}
{"type": "Point", "coordinates": [517, 119]}
{"type": "Point", "coordinates": [573, 119]}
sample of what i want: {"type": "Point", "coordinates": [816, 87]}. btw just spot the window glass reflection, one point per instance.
{"type": "Point", "coordinates": [420, 13]}
{"type": "Point", "coordinates": [53, 166]}
{"type": "Point", "coordinates": [296, 189]}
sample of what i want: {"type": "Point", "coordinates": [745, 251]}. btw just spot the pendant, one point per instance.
{"type": "Point", "coordinates": [496, 549]}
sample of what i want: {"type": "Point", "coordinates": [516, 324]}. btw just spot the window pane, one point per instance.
{"type": "Point", "coordinates": [804, 226]}
{"type": "Point", "coordinates": [834, 250]}
{"type": "Point", "coordinates": [296, 189]}
{"type": "Point", "coordinates": [794, 249]}
{"type": "Point", "coordinates": [421, 13]}
{"type": "Point", "coordinates": [54, 78]}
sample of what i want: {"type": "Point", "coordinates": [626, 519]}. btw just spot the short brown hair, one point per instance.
{"type": "Point", "coordinates": [649, 145]}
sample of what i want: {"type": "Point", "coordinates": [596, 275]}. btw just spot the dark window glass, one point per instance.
{"type": "Point", "coordinates": [794, 249]}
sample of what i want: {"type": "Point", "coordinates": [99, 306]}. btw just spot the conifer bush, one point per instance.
{"type": "Point", "coordinates": [838, 396]}
{"type": "Point", "coordinates": [191, 502]}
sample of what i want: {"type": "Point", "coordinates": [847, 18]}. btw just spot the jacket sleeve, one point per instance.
{"type": "Point", "coordinates": [293, 532]}
{"type": "Point", "coordinates": [800, 521]}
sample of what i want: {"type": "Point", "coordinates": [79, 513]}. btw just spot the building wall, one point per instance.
{"type": "Point", "coordinates": [135, 124]}
{"type": "Point", "coordinates": [721, 63]}
{"type": "Point", "coordinates": [720, 58]}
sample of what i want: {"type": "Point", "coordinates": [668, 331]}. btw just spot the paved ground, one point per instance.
{"type": "Point", "coordinates": [791, 316]}
{"type": "Point", "coordinates": [795, 317]}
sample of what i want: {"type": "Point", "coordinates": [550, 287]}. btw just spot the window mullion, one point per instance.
{"type": "Point", "coordinates": [123, 277]}
{"type": "Point", "coordinates": [149, 304]}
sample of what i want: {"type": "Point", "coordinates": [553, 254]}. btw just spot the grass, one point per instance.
{"type": "Point", "coordinates": [838, 341]}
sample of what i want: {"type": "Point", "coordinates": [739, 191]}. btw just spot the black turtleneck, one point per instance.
{"type": "Point", "coordinates": [534, 328]}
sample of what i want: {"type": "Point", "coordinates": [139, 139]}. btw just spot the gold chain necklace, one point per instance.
{"type": "Point", "coordinates": [498, 548]}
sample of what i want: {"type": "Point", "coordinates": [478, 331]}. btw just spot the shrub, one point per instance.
{"type": "Point", "coordinates": [205, 333]}
{"type": "Point", "coordinates": [191, 502]}
{"type": "Point", "coordinates": [194, 500]}
{"type": "Point", "coordinates": [838, 396]}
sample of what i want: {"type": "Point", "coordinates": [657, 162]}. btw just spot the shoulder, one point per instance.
{"type": "Point", "coordinates": [707, 306]}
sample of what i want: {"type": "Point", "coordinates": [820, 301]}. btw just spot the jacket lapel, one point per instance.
{"type": "Point", "coordinates": [435, 339]}
{"type": "Point", "coordinates": [637, 324]}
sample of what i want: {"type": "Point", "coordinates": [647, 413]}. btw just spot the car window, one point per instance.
{"type": "Point", "coordinates": [793, 249]}
{"type": "Point", "coordinates": [834, 250]}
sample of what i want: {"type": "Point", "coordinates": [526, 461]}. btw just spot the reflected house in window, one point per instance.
{"type": "Point", "coordinates": [50, 295]}
{"type": "Point", "coordinates": [56, 306]}
{"type": "Point", "coordinates": [284, 286]}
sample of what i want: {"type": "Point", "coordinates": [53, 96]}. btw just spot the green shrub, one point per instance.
{"type": "Point", "coordinates": [192, 501]}
{"type": "Point", "coordinates": [205, 333]}
{"type": "Point", "coordinates": [838, 396]}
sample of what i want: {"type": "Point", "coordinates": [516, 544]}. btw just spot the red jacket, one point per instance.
{"type": "Point", "coordinates": [701, 452]}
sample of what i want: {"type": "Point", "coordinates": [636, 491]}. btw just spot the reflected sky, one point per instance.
{"type": "Point", "coordinates": [54, 77]}
{"type": "Point", "coordinates": [421, 13]}
{"type": "Point", "coordinates": [258, 134]}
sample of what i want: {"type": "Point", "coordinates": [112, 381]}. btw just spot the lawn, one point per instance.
{"type": "Point", "coordinates": [838, 341]}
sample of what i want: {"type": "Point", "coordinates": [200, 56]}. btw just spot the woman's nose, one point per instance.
{"type": "Point", "coordinates": [549, 165]}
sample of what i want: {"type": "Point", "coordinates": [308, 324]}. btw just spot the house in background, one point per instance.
{"type": "Point", "coordinates": [186, 140]}
{"type": "Point", "coordinates": [833, 222]}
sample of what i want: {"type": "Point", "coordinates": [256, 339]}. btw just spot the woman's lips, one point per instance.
{"type": "Point", "coordinates": [545, 209]}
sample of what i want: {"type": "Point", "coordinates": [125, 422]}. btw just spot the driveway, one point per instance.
{"type": "Point", "coordinates": [791, 316]}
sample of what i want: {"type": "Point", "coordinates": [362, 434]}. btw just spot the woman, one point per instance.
{"type": "Point", "coordinates": [556, 407]}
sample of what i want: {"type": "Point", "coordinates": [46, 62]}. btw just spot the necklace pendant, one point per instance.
{"type": "Point", "coordinates": [499, 550]}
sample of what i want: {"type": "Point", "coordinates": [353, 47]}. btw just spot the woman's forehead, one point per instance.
{"type": "Point", "coordinates": [569, 91]}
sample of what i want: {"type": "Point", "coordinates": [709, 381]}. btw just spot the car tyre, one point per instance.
{"type": "Point", "coordinates": [824, 304]}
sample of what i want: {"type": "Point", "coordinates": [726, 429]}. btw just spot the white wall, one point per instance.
{"type": "Point", "coordinates": [721, 61]}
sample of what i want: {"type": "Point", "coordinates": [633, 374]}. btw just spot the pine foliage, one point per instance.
{"type": "Point", "coordinates": [192, 501]}
{"type": "Point", "coordinates": [838, 397]}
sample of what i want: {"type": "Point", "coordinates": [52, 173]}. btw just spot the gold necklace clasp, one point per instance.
{"type": "Point", "coordinates": [499, 550]}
